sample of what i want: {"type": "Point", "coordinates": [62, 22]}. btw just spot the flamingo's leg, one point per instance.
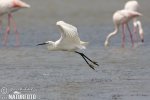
{"type": "Point", "coordinates": [123, 35]}
{"type": "Point", "coordinates": [135, 28]}
{"type": "Point", "coordinates": [5, 37]}
{"type": "Point", "coordinates": [0, 25]}
{"type": "Point", "coordinates": [130, 35]}
{"type": "Point", "coordinates": [16, 31]}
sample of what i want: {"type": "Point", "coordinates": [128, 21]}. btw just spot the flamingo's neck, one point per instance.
{"type": "Point", "coordinates": [110, 35]}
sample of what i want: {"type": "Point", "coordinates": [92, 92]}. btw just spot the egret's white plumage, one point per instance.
{"type": "Point", "coordinates": [69, 41]}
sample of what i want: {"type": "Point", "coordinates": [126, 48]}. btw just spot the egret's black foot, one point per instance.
{"type": "Point", "coordinates": [96, 63]}
{"type": "Point", "coordinates": [91, 66]}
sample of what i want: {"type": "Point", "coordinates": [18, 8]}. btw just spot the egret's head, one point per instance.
{"type": "Point", "coordinates": [60, 22]}
{"type": "Point", "coordinates": [47, 42]}
{"type": "Point", "coordinates": [50, 45]}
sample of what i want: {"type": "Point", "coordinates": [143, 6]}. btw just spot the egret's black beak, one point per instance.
{"type": "Point", "coordinates": [42, 44]}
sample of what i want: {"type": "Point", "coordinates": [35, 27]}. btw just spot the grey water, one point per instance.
{"type": "Point", "coordinates": [123, 74]}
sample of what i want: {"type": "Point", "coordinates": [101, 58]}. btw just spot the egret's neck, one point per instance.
{"type": "Point", "coordinates": [51, 46]}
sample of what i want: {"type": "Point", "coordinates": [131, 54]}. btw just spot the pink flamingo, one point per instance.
{"type": "Point", "coordinates": [133, 5]}
{"type": "Point", "coordinates": [122, 17]}
{"type": "Point", "coordinates": [7, 7]}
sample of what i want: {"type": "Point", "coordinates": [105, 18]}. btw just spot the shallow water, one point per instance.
{"type": "Point", "coordinates": [123, 73]}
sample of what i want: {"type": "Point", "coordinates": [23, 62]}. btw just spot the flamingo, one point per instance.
{"type": "Point", "coordinates": [8, 7]}
{"type": "Point", "coordinates": [133, 5]}
{"type": "Point", "coordinates": [122, 17]}
{"type": "Point", "coordinates": [69, 41]}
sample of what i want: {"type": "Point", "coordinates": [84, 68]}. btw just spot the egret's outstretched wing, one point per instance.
{"type": "Point", "coordinates": [69, 26]}
{"type": "Point", "coordinates": [68, 33]}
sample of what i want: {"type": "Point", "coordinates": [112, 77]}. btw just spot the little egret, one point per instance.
{"type": "Point", "coordinates": [69, 41]}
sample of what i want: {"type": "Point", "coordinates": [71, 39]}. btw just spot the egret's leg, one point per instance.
{"type": "Point", "coordinates": [130, 35]}
{"type": "Point", "coordinates": [15, 29]}
{"type": "Point", "coordinates": [5, 37]}
{"type": "Point", "coordinates": [123, 35]}
{"type": "Point", "coordinates": [90, 59]}
{"type": "Point", "coordinates": [91, 66]}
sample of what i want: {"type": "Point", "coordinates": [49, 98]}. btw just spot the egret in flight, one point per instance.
{"type": "Point", "coordinates": [133, 5]}
{"type": "Point", "coordinates": [69, 41]}
{"type": "Point", "coordinates": [122, 17]}
{"type": "Point", "coordinates": [7, 7]}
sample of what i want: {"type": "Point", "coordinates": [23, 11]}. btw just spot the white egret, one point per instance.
{"type": "Point", "coordinates": [69, 41]}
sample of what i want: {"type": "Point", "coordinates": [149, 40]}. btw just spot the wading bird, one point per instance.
{"type": "Point", "coordinates": [122, 17]}
{"type": "Point", "coordinates": [7, 7]}
{"type": "Point", "coordinates": [69, 41]}
{"type": "Point", "coordinates": [133, 5]}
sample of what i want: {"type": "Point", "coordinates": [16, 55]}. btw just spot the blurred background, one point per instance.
{"type": "Point", "coordinates": [95, 16]}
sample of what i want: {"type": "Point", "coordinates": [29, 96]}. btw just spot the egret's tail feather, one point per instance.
{"type": "Point", "coordinates": [84, 43]}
